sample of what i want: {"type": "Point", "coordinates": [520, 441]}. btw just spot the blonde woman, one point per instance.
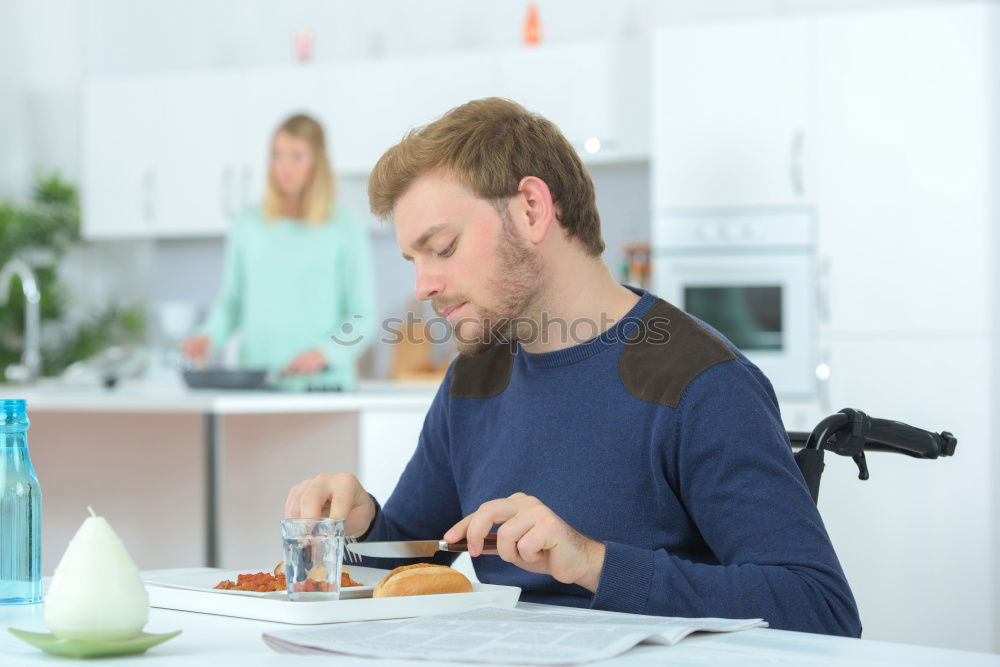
{"type": "Point", "coordinates": [298, 282]}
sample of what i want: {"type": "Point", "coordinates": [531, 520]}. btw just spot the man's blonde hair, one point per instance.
{"type": "Point", "coordinates": [490, 145]}
{"type": "Point", "coordinates": [320, 192]}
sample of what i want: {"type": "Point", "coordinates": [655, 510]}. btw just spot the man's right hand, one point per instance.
{"type": "Point", "coordinates": [339, 496]}
{"type": "Point", "coordinates": [196, 348]}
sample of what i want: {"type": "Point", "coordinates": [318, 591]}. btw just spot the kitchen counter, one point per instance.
{"type": "Point", "coordinates": [179, 471]}
{"type": "Point", "coordinates": [151, 398]}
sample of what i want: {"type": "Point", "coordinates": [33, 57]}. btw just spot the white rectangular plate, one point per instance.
{"type": "Point", "coordinates": [192, 591]}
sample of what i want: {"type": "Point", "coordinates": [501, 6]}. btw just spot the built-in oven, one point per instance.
{"type": "Point", "coordinates": [752, 277]}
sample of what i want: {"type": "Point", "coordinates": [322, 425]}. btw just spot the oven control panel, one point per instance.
{"type": "Point", "coordinates": [790, 229]}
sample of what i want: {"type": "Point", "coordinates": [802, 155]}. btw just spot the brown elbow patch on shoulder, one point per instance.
{"type": "Point", "coordinates": [666, 353]}
{"type": "Point", "coordinates": [483, 375]}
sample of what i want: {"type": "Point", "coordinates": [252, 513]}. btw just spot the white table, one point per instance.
{"type": "Point", "coordinates": [221, 641]}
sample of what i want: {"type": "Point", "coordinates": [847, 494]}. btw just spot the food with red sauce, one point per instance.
{"type": "Point", "coordinates": [262, 582]}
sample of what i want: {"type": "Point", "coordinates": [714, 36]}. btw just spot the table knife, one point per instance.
{"type": "Point", "coordinates": [418, 548]}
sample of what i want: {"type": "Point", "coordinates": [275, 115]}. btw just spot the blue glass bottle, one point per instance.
{"type": "Point", "coordinates": [20, 511]}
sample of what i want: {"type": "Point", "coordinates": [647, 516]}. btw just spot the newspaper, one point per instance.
{"type": "Point", "coordinates": [497, 635]}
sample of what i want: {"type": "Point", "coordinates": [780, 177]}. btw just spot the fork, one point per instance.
{"type": "Point", "coordinates": [350, 556]}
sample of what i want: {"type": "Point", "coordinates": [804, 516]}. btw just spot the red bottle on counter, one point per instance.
{"type": "Point", "coordinates": [532, 31]}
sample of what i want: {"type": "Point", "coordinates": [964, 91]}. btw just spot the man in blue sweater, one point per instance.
{"type": "Point", "coordinates": [632, 457]}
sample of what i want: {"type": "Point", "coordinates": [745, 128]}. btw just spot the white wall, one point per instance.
{"type": "Point", "coordinates": [40, 48]}
{"type": "Point", "coordinates": [49, 44]}
{"type": "Point", "coordinates": [237, 33]}
{"type": "Point", "coordinates": [13, 157]}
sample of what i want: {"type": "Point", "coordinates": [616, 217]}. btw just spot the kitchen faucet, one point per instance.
{"type": "Point", "coordinates": [31, 357]}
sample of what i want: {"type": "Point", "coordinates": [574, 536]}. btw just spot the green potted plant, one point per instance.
{"type": "Point", "coordinates": [40, 232]}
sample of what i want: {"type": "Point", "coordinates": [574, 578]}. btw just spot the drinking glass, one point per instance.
{"type": "Point", "coordinates": [314, 552]}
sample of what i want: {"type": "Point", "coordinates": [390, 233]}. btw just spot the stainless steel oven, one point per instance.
{"type": "Point", "coordinates": [752, 277]}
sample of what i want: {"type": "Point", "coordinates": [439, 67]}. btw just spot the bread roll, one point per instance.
{"type": "Point", "coordinates": [422, 579]}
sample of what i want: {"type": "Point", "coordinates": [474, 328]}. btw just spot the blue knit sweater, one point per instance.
{"type": "Point", "coordinates": [657, 438]}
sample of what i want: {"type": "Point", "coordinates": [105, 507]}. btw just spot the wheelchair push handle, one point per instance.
{"type": "Point", "coordinates": [850, 432]}
{"type": "Point", "coordinates": [910, 440]}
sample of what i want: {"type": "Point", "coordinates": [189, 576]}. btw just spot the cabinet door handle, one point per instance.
{"type": "Point", "coordinates": [247, 177]}
{"type": "Point", "coordinates": [148, 188]}
{"type": "Point", "coordinates": [795, 162]}
{"type": "Point", "coordinates": [226, 190]}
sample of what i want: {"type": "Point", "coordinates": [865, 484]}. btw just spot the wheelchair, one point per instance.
{"type": "Point", "coordinates": [851, 432]}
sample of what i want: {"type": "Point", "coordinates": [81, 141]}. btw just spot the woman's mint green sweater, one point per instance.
{"type": "Point", "coordinates": [289, 287]}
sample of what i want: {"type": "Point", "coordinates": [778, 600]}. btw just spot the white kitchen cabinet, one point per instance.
{"type": "Point", "coordinates": [593, 90]}
{"type": "Point", "coordinates": [568, 84]}
{"type": "Point", "coordinates": [191, 150]}
{"type": "Point", "coordinates": [904, 167]}
{"type": "Point", "coordinates": [917, 535]}
{"type": "Point", "coordinates": [217, 132]}
{"type": "Point", "coordinates": [179, 155]}
{"type": "Point", "coordinates": [732, 115]}
{"type": "Point", "coordinates": [374, 103]}
{"type": "Point", "coordinates": [197, 170]}
{"type": "Point", "coordinates": [267, 97]}
{"type": "Point", "coordinates": [121, 144]}
{"type": "Point", "coordinates": [400, 94]}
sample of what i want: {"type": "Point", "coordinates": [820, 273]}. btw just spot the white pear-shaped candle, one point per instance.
{"type": "Point", "coordinates": [96, 593]}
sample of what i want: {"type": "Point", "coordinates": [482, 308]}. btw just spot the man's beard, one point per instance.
{"type": "Point", "coordinates": [516, 282]}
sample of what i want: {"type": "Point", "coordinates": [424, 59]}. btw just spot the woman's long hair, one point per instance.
{"type": "Point", "coordinates": [320, 192]}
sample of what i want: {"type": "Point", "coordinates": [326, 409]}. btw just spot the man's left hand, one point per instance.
{"type": "Point", "coordinates": [534, 538]}
{"type": "Point", "coordinates": [307, 363]}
